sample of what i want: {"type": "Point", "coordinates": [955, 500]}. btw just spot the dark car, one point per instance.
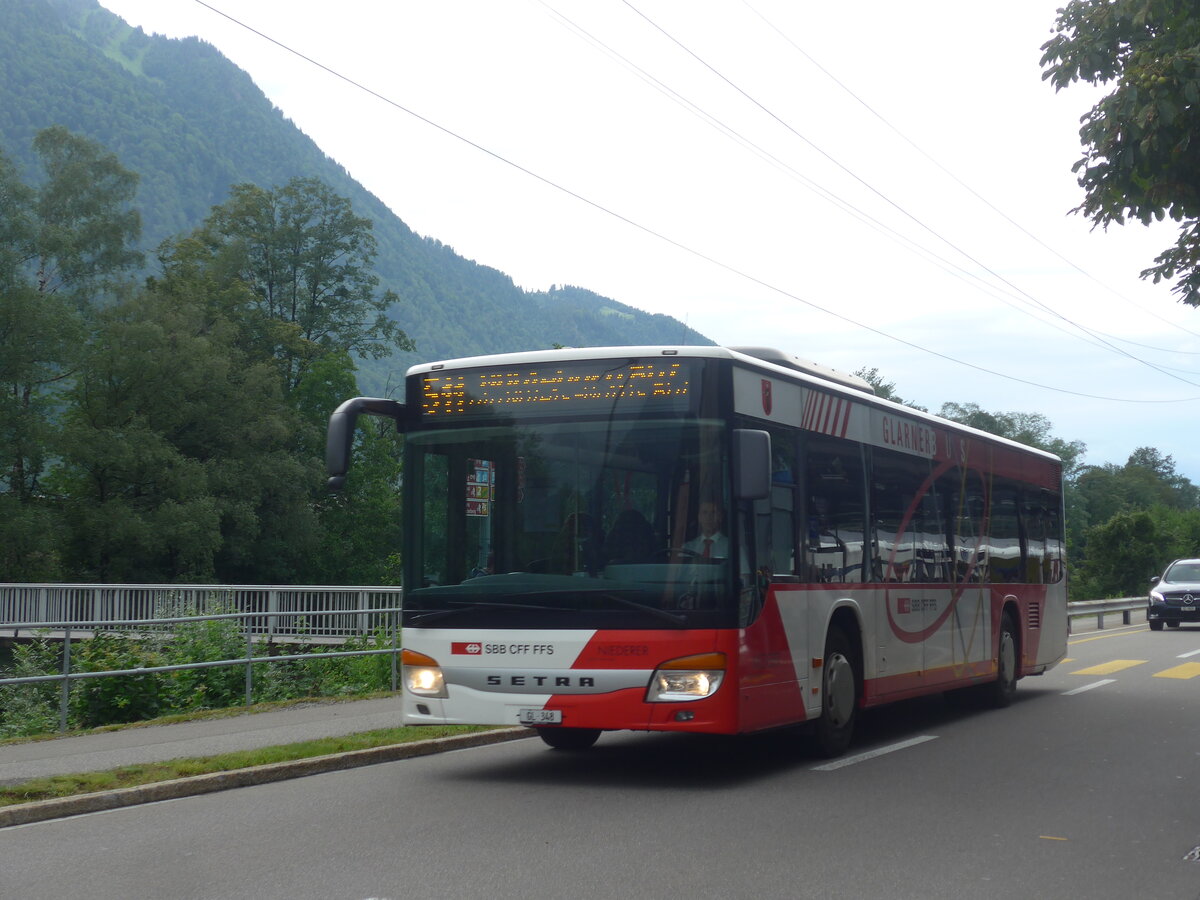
{"type": "Point", "coordinates": [1175, 597]}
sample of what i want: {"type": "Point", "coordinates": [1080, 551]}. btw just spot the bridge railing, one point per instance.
{"type": "Point", "coordinates": [387, 617]}
{"type": "Point", "coordinates": [284, 610]}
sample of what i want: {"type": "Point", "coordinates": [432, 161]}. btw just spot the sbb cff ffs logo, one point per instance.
{"type": "Point", "coordinates": [466, 648]}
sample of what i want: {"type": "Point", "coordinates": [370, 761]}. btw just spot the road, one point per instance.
{"type": "Point", "coordinates": [1085, 788]}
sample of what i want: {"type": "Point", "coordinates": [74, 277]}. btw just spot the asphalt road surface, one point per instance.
{"type": "Point", "coordinates": [1087, 787]}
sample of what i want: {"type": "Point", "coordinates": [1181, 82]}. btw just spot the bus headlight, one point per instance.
{"type": "Point", "coordinates": [422, 674]}
{"type": "Point", "coordinates": [687, 678]}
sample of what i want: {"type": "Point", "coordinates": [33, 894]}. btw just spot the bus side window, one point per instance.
{"type": "Point", "coordinates": [835, 511]}
{"type": "Point", "coordinates": [1004, 537]}
{"type": "Point", "coordinates": [966, 508]}
{"type": "Point", "coordinates": [1033, 523]}
{"type": "Point", "coordinates": [775, 529]}
{"type": "Point", "coordinates": [781, 561]}
{"type": "Point", "coordinates": [1054, 568]}
{"type": "Point", "coordinates": [899, 509]}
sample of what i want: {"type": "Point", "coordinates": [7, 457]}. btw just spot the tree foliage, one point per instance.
{"type": "Point", "coordinates": [883, 388]}
{"type": "Point", "coordinates": [193, 125]}
{"type": "Point", "coordinates": [174, 431]}
{"type": "Point", "coordinates": [1141, 153]}
{"type": "Point", "coordinates": [1123, 523]}
{"type": "Point", "coordinates": [64, 243]}
{"type": "Point", "coordinates": [306, 258]}
{"type": "Point", "coordinates": [1032, 429]}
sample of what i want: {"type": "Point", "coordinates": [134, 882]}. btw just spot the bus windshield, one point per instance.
{"type": "Point", "coordinates": [620, 523]}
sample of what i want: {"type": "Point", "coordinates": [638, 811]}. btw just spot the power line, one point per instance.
{"type": "Point", "coordinates": [828, 74]}
{"type": "Point", "coordinates": [651, 232]}
{"type": "Point", "coordinates": [891, 202]}
{"type": "Point", "coordinates": [865, 218]}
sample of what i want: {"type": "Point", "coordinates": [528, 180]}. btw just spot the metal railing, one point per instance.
{"type": "Point", "coordinates": [1101, 608]}
{"type": "Point", "coordinates": [283, 609]}
{"type": "Point", "coordinates": [388, 615]}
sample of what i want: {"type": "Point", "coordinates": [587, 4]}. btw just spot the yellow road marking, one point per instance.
{"type": "Point", "coordinates": [1110, 634]}
{"type": "Point", "coordinates": [1050, 837]}
{"type": "Point", "coordinates": [1108, 668]}
{"type": "Point", "coordinates": [1183, 672]}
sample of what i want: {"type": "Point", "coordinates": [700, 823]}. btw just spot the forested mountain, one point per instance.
{"type": "Point", "coordinates": [191, 124]}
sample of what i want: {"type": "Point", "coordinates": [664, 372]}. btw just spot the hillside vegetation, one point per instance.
{"type": "Point", "coordinates": [191, 124]}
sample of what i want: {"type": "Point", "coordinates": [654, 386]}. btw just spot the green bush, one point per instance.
{"type": "Point", "coordinates": [28, 709]}
{"type": "Point", "coordinates": [210, 688]}
{"type": "Point", "coordinates": [115, 699]}
{"type": "Point", "coordinates": [34, 709]}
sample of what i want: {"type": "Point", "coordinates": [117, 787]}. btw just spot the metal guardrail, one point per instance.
{"type": "Point", "coordinates": [1101, 608]}
{"type": "Point", "coordinates": [345, 610]}
{"type": "Point", "coordinates": [144, 626]}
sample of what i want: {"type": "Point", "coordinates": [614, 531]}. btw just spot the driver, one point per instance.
{"type": "Point", "coordinates": [711, 542]}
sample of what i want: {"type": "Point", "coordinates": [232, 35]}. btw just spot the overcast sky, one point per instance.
{"type": "Point", "coordinates": [877, 184]}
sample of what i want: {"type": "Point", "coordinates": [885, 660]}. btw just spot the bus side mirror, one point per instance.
{"type": "Point", "coordinates": [751, 464]}
{"type": "Point", "coordinates": [341, 433]}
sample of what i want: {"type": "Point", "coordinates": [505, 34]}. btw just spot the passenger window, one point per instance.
{"type": "Point", "coordinates": [906, 545]}
{"type": "Point", "coordinates": [1004, 537]}
{"type": "Point", "coordinates": [835, 511]}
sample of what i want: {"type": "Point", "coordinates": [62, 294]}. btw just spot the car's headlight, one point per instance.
{"type": "Point", "coordinates": [422, 674]}
{"type": "Point", "coordinates": [1156, 597]}
{"type": "Point", "coordinates": [687, 678]}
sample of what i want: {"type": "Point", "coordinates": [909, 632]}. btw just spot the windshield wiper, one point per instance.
{"type": "Point", "coordinates": [676, 618]}
{"type": "Point", "coordinates": [464, 605]}
{"type": "Point", "coordinates": [461, 606]}
{"type": "Point", "coordinates": [623, 601]}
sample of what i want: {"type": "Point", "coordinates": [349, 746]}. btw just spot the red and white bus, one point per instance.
{"type": "Point", "coordinates": [557, 506]}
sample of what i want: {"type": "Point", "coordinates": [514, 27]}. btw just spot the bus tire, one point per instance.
{"type": "Point", "coordinates": [569, 738]}
{"type": "Point", "coordinates": [839, 695]}
{"type": "Point", "coordinates": [1001, 692]}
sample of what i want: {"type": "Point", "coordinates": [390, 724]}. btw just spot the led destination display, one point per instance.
{"type": "Point", "coordinates": [603, 386]}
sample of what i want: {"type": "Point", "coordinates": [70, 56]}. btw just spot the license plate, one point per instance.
{"type": "Point", "coordinates": [539, 716]}
{"type": "Point", "coordinates": [1187, 609]}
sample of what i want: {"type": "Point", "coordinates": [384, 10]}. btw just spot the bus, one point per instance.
{"type": "Point", "coordinates": [705, 539]}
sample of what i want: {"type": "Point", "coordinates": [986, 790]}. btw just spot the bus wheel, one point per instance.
{"type": "Point", "coordinates": [569, 738]}
{"type": "Point", "coordinates": [839, 696]}
{"type": "Point", "coordinates": [1000, 693]}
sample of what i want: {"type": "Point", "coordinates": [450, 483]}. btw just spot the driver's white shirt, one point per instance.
{"type": "Point", "coordinates": [719, 549]}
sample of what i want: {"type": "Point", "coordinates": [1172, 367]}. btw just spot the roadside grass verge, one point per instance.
{"type": "Point", "coordinates": [55, 786]}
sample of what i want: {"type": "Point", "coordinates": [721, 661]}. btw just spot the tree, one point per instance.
{"type": "Point", "coordinates": [63, 246]}
{"type": "Point", "coordinates": [289, 270]}
{"type": "Point", "coordinates": [1103, 503]}
{"type": "Point", "coordinates": [1141, 159]}
{"type": "Point", "coordinates": [1032, 429]}
{"type": "Point", "coordinates": [884, 389]}
{"type": "Point", "coordinates": [179, 453]}
{"type": "Point", "coordinates": [306, 258]}
{"type": "Point", "coordinates": [1133, 545]}
{"type": "Point", "coordinates": [1125, 551]}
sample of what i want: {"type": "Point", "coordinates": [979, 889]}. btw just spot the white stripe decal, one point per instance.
{"type": "Point", "coordinates": [827, 414]}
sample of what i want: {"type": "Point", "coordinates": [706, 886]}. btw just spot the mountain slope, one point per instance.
{"type": "Point", "coordinates": [191, 123]}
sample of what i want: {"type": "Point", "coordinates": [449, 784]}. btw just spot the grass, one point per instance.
{"type": "Point", "coordinates": [131, 776]}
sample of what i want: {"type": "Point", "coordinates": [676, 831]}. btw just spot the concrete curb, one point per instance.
{"type": "Point", "coordinates": [61, 807]}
